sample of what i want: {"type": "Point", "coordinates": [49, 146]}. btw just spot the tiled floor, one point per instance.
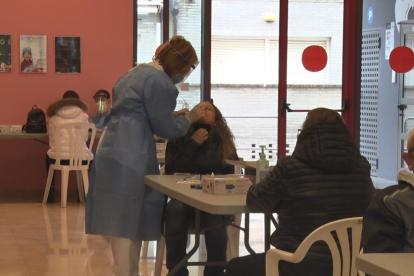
{"type": "Point", "coordinates": [40, 240]}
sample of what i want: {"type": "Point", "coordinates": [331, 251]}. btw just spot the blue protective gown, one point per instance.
{"type": "Point", "coordinates": [119, 203]}
{"type": "Point", "coordinates": [99, 120]}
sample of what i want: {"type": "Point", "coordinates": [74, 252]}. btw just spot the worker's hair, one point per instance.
{"type": "Point", "coordinates": [177, 56]}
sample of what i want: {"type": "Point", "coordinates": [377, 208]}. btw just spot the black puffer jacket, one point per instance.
{"type": "Point", "coordinates": [186, 156]}
{"type": "Point", "coordinates": [388, 221]}
{"type": "Point", "coordinates": [325, 179]}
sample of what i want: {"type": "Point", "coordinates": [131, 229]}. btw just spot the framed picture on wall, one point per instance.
{"type": "Point", "coordinates": [67, 55]}
{"type": "Point", "coordinates": [5, 53]}
{"type": "Point", "coordinates": [33, 54]}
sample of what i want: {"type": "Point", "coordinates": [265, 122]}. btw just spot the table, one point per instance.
{"type": "Point", "coordinates": [33, 136]}
{"type": "Point", "coordinates": [386, 264]}
{"type": "Point", "coordinates": [40, 137]}
{"type": "Point", "coordinates": [23, 135]}
{"type": "Point", "coordinates": [214, 204]}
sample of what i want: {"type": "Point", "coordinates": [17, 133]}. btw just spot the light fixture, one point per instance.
{"type": "Point", "coordinates": [269, 17]}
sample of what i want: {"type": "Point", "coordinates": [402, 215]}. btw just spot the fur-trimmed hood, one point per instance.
{"type": "Point", "coordinates": [67, 108]}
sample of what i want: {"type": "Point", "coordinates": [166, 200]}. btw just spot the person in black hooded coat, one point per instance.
{"type": "Point", "coordinates": [325, 179]}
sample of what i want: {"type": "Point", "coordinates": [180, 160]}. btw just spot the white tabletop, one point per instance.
{"type": "Point", "coordinates": [214, 204]}
{"type": "Point", "coordinates": [386, 264]}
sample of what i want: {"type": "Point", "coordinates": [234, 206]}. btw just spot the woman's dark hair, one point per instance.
{"type": "Point", "coordinates": [176, 56]}
{"type": "Point", "coordinates": [70, 94]}
{"type": "Point", "coordinates": [220, 131]}
{"type": "Point", "coordinates": [322, 115]}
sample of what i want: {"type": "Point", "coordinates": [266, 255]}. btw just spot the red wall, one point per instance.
{"type": "Point", "coordinates": [106, 31]}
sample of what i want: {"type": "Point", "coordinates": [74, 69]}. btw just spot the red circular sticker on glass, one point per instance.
{"type": "Point", "coordinates": [402, 59]}
{"type": "Point", "coordinates": [314, 58]}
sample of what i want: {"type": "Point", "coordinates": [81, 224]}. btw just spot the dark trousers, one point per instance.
{"type": "Point", "coordinates": [251, 265]}
{"type": "Point", "coordinates": [179, 217]}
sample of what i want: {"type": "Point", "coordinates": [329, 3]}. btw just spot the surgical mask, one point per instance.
{"type": "Point", "coordinates": [177, 79]}
{"type": "Point", "coordinates": [102, 106]}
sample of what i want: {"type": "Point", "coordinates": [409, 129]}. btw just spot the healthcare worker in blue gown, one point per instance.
{"type": "Point", "coordinates": [119, 204]}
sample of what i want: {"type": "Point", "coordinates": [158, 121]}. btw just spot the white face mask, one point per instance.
{"type": "Point", "coordinates": [102, 106]}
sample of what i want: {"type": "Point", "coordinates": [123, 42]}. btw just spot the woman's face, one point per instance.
{"type": "Point", "coordinates": [210, 117]}
{"type": "Point", "coordinates": [27, 56]}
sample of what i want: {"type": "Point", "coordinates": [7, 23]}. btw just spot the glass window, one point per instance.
{"type": "Point", "coordinates": [244, 72]}
{"type": "Point", "coordinates": [149, 29]}
{"type": "Point", "coordinates": [185, 20]}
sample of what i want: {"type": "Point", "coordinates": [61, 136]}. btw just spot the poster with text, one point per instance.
{"type": "Point", "coordinates": [67, 55]}
{"type": "Point", "coordinates": [33, 54]}
{"type": "Point", "coordinates": [5, 53]}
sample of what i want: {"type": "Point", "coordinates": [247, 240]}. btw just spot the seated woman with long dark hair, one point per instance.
{"type": "Point", "coordinates": [204, 149]}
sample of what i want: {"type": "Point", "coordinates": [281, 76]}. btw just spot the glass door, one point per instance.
{"type": "Point", "coordinates": [406, 97]}
{"type": "Point", "coordinates": [309, 27]}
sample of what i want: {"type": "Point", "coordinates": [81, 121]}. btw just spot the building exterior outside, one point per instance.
{"type": "Point", "coordinates": [245, 62]}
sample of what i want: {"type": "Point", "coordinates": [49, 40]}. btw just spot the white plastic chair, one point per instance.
{"type": "Point", "coordinates": [324, 233]}
{"type": "Point", "coordinates": [78, 134]}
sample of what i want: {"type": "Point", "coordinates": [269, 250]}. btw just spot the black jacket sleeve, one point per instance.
{"type": "Point", "coordinates": [383, 231]}
{"type": "Point", "coordinates": [179, 156]}
{"type": "Point", "coordinates": [266, 196]}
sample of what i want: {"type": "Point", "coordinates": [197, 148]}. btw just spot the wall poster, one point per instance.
{"type": "Point", "coordinates": [5, 53]}
{"type": "Point", "coordinates": [33, 54]}
{"type": "Point", "coordinates": [67, 55]}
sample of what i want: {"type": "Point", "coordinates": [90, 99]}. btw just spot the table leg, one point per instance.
{"type": "Point", "coordinates": [247, 233]}
{"type": "Point", "coordinates": [267, 231]}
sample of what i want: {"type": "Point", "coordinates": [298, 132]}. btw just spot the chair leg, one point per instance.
{"type": "Point", "coordinates": [145, 250]}
{"type": "Point", "coordinates": [64, 187]}
{"type": "Point", "coordinates": [85, 180]}
{"type": "Point", "coordinates": [80, 186]}
{"type": "Point", "coordinates": [48, 183]}
{"type": "Point", "coordinates": [159, 258]}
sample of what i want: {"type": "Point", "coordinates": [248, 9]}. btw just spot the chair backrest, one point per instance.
{"type": "Point", "coordinates": [100, 139]}
{"type": "Point", "coordinates": [162, 170]}
{"type": "Point", "coordinates": [326, 233]}
{"type": "Point", "coordinates": [78, 134]}
{"type": "Point", "coordinates": [340, 227]}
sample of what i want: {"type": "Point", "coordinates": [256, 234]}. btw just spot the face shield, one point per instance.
{"type": "Point", "coordinates": [179, 79]}
{"type": "Point", "coordinates": [101, 104]}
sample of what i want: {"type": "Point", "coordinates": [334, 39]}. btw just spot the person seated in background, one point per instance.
{"type": "Point", "coordinates": [325, 179]}
{"type": "Point", "coordinates": [203, 150]}
{"type": "Point", "coordinates": [103, 106]}
{"type": "Point", "coordinates": [69, 109]}
{"type": "Point", "coordinates": [389, 222]}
